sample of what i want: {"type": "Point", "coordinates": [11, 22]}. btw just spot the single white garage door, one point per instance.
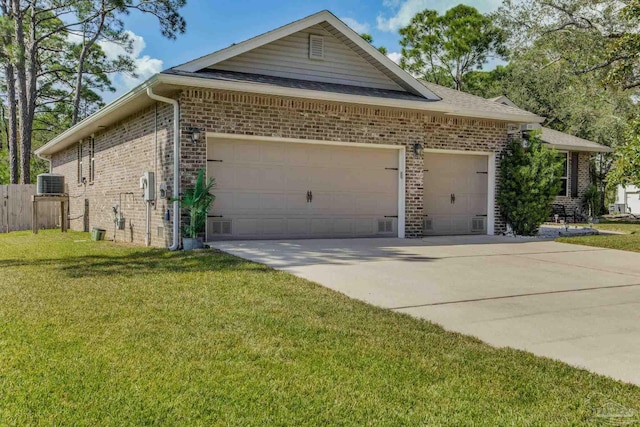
{"type": "Point", "coordinates": [455, 194]}
{"type": "Point", "coordinates": [276, 190]}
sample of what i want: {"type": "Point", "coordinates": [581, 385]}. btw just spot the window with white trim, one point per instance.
{"type": "Point", "coordinates": [564, 178]}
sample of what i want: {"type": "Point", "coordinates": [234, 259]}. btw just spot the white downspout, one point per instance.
{"type": "Point", "coordinates": [176, 165]}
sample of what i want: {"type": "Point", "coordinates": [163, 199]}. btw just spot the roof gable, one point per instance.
{"type": "Point", "coordinates": [347, 53]}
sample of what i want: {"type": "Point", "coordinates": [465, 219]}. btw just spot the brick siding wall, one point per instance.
{"type": "Point", "coordinates": [123, 152]}
{"type": "Point", "coordinates": [126, 149]}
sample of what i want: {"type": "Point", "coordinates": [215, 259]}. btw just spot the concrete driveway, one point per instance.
{"type": "Point", "coordinates": [569, 302]}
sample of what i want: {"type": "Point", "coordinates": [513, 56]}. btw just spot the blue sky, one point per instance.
{"type": "Point", "coordinates": [216, 24]}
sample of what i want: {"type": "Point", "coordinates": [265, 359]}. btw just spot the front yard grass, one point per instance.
{"type": "Point", "coordinates": [630, 241]}
{"type": "Point", "coordinates": [100, 334]}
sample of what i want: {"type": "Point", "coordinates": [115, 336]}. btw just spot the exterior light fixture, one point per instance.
{"type": "Point", "coordinates": [417, 150]}
{"type": "Point", "coordinates": [195, 135]}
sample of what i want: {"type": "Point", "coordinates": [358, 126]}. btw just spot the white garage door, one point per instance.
{"type": "Point", "coordinates": [455, 194]}
{"type": "Point", "coordinates": [273, 190]}
{"type": "Point", "coordinates": [633, 203]}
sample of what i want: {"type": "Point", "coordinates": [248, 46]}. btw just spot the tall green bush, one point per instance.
{"type": "Point", "coordinates": [529, 181]}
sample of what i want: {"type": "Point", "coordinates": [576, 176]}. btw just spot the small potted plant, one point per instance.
{"type": "Point", "coordinates": [197, 200]}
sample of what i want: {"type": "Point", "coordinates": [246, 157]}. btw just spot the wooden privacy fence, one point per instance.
{"type": "Point", "coordinates": [16, 209]}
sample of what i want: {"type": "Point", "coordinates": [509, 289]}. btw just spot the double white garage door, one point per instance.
{"type": "Point", "coordinates": [279, 190]}
{"type": "Point", "coordinates": [272, 190]}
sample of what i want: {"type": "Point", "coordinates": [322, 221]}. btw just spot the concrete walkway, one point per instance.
{"type": "Point", "coordinates": [569, 302]}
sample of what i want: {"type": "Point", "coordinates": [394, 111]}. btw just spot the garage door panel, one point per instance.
{"type": "Point", "coordinates": [296, 178]}
{"type": "Point", "coordinates": [440, 224]}
{"type": "Point", "coordinates": [224, 152]}
{"type": "Point", "coordinates": [262, 189]}
{"type": "Point", "coordinates": [478, 204]}
{"type": "Point", "coordinates": [273, 202]}
{"type": "Point", "coordinates": [297, 155]}
{"type": "Point", "coordinates": [244, 176]}
{"type": "Point", "coordinates": [272, 153]}
{"type": "Point", "coordinates": [271, 178]}
{"type": "Point", "coordinates": [439, 204]}
{"type": "Point", "coordinates": [296, 203]}
{"type": "Point", "coordinates": [246, 226]}
{"type": "Point", "coordinates": [244, 152]}
{"type": "Point", "coordinates": [344, 226]}
{"type": "Point", "coordinates": [460, 175]}
{"type": "Point", "coordinates": [274, 226]}
{"type": "Point", "coordinates": [297, 226]}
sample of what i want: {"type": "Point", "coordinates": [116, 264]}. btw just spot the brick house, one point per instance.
{"type": "Point", "coordinates": [308, 131]}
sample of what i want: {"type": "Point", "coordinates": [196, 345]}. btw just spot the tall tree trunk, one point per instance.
{"type": "Point", "coordinates": [31, 87]}
{"type": "Point", "coordinates": [10, 81]}
{"type": "Point", "coordinates": [12, 130]}
{"type": "Point", "coordinates": [77, 96]}
{"type": "Point", "coordinates": [21, 80]}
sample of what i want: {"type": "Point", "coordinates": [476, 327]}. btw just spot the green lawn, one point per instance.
{"type": "Point", "coordinates": [100, 334]}
{"type": "Point", "coordinates": [630, 241]}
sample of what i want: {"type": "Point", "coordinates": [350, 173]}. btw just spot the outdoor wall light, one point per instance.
{"type": "Point", "coordinates": [417, 150]}
{"type": "Point", "coordinates": [195, 135]}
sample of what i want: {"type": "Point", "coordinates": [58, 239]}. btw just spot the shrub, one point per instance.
{"type": "Point", "coordinates": [591, 201]}
{"type": "Point", "coordinates": [529, 181]}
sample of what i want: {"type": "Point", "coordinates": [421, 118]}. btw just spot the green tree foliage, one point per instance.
{"type": "Point", "coordinates": [443, 49]}
{"type": "Point", "coordinates": [52, 63]}
{"type": "Point", "coordinates": [596, 36]}
{"type": "Point", "coordinates": [627, 159]}
{"type": "Point", "coordinates": [529, 182]}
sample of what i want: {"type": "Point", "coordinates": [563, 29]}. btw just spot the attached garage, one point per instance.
{"type": "Point", "coordinates": [275, 189]}
{"type": "Point", "coordinates": [456, 194]}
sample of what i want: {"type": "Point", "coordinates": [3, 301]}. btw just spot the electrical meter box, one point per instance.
{"type": "Point", "coordinates": [148, 184]}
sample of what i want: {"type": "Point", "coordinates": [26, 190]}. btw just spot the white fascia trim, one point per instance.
{"type": "Point", "coordinates": [240, 48]}
{"type": "Point", "coordinates": [108, 109]}
{"type": "Point", "coordinates": [434, 106]}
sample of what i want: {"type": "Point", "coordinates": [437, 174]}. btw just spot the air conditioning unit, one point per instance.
{"type": "Point", "coordinates": [50, 184]}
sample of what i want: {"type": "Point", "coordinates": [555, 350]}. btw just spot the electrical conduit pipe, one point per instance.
{"type": "Point", "coordinates": [176, 165]}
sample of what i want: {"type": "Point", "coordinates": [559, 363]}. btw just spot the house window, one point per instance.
{"type": "Point", "coordinates": [564, 178]}
{"type": "Point", "coordinates": [92, 163]}
{"type": "Point", "coordinates": [79, 165]}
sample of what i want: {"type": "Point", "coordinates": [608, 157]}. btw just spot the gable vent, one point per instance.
{"type": "Point", "coordinates": [385, 226]}
{"type": "Point", "coordinates": [316, 47]}
{"type": "Point", "coordinates": [477, 225]}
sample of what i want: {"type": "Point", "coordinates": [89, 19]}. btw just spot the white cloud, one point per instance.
{"type": "Point", "coordinates": [401, 11]}
{"type": "Point", "coordinates": [395, 57]}
{"type": "Point", "coordinates": [145, 66]}
{"type": "Point", "coordinates": [358, 27]}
